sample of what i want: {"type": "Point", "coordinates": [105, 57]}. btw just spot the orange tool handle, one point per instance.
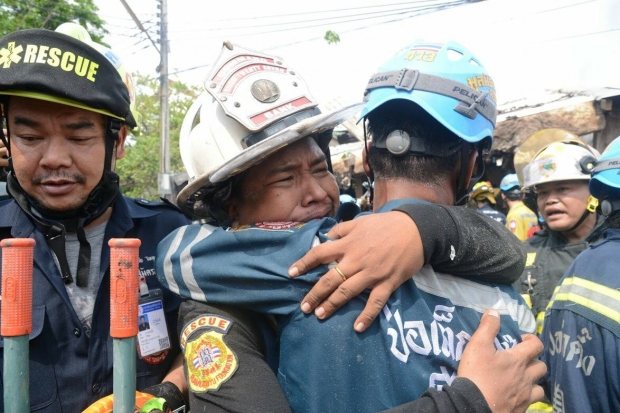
{"type": "Point", "coordinates": [106, 404]}
{"type": "Point", "coordinates": [17, 257]}
{"type": "Point", "coordinates": [124, 287]}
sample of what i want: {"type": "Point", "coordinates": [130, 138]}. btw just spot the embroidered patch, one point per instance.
{"type": "Point", "coordinates": [209, 362]}
{"type": "Point", "coordinates": [276, 225]}
{"type": "Point", "coordinates": [206, 321]}
{"type": "Point", "coordinates": [512, 225]}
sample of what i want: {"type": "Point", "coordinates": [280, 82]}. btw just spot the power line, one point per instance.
{"type": "Point", "coordinates": [581, 35]}
{"type": "Point", "coordinates": [447, 4]}
{"type": "Point", "coordinates": [345, 31]}
{"type": "Point", "coordinates": [323, 11]}
{"type": "Point", "coordinates": [139, 24]}
{"type": "Point", "coordinates": [372, 25]}
{"type": "Point", "coordinates": [300, 21]}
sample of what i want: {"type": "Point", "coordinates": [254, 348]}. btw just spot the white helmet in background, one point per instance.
{"type": "Point", "coordinates": [560, 161]}
{"type": "Point", "coordinates": [254, 105]}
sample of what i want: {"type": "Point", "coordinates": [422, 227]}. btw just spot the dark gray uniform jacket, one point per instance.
{"type": "Point", "coordinates": [548, 257]}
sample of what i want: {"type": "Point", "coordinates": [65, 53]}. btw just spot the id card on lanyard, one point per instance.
{"type": "Point", "coordinates": [152, 328]}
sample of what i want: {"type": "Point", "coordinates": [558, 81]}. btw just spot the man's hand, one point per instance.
{"type": "Point", "coordinates": [4, 154]}
{"type": "Point", "coordinates": [375, 251]}
{"type": "Point", "coordinates": [506, 378]}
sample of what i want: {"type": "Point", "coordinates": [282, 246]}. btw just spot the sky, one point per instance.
{"type": "Point", "coordinates": [527, 46]}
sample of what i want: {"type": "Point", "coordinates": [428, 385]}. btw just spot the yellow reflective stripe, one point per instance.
{"type": "Point", "coordinates": [539, 407]}
{"type": "Point", "coordinates": [531, 257]}
{"type": "Point", "coordinates": [540, 319]}
{"type": "Point", "coordinates": [527, 299]}
{"type": "Point", "coordinates": [555, 291]}
{"type": "Point", "coordinates": [590, 295]}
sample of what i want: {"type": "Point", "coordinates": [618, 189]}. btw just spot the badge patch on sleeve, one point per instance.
{"type": "Point", "coordinates": [209, 361]}
{"type": "Point", "coordinates": [512, 225]}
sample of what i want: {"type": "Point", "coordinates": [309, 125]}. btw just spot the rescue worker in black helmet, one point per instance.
{"type": "Point", "coordinates": [67, 106]}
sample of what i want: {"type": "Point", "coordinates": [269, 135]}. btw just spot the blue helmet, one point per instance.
{"type": "Point", "coordinates": [605, 182]}
{"type": "Point", "coordinates": [509, 182]}
{"type": "Point", "coordinates": [444, 79]}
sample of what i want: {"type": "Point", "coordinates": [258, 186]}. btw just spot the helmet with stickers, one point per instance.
{"type": "Point", "coordinates": [254, 105]}
{"type": "Point", "coordinates": [536, 142]}
{"type": "Point", "coordinates": [448, 82]}
{"type": "Point", "coordinates": [562, 161]}
{"type": "Point", "coordinates": [605, 182]}
{"type": "Point", "coordinates": [559, 161]}
{"type": "Point", "coordinates": [482, 191]}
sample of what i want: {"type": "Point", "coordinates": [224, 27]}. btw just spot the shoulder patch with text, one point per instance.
{"type": "Point", "coordinates": [209, 361]}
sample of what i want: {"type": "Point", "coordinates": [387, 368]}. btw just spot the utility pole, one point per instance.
{"type": "Point", "coordinates": [164, 178]}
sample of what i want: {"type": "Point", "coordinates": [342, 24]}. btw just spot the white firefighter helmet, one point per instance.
{"type": "Point", "coordinates": [538, 141]}
{"type": "Point", "coordinates": [560, 161]}
{"type": "Point", "coordinates": [254, 104]}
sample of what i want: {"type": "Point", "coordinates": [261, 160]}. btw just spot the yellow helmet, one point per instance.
{"type": "Point", "coordinates": [483, 190]}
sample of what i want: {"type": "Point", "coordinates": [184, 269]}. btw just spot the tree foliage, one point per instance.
{"type": "Point", "coordinates": [331, 37]}
{"type": "Point", "coordinates": [139, 169]}
{"type": "Point", "coordinates": [49, 14]}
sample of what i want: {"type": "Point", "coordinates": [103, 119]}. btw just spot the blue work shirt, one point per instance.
{"type": "Point", "coordinates": [582, 332]}
{"type": "Point", "coordinates": [488, 211]}
{"type": "Point", "coordinates": [68, 370]}
{"type": "Point", "coordinates": [325, 366]}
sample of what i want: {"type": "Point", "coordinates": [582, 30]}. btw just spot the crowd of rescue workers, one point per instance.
{"type": "Point", "coordinates": [263, 288]}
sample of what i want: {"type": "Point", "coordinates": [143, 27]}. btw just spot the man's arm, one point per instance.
{"type": "Point", "coordinates": [484, 248]}
{"type": "Point", "coordinates": [253, 385]}
{"type": "Point", "coordinates": [382, 251]}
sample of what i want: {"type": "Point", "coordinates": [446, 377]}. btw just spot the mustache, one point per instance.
{"type": "Point", "coordinates": [80, 179]}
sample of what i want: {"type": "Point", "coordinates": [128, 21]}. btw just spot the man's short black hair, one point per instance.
{"type": "Point", "coordinates": [411, 118]}
{"type": "Point", "coordinates": [513, 195]}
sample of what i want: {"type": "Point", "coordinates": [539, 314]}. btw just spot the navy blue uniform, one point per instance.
{"type": "Point", "coordinates": [582, 332]}
{"type": "Point", "coordinates": [416, 344]}
{"type": "Point", "coordinates": [68, 370]}
{"type": "Point", "coordinates": [488, 211]}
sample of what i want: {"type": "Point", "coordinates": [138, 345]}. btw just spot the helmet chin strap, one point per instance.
{"type": "Point", "coordinates": [461, 190]}
{"type": "Point", "coordinates": [55, 224]}
{"type": "Point", "coordinates": [585, 214]}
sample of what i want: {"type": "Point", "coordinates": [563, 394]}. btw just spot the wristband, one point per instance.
{"type": "Point", "coordinates": [171, 393]}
